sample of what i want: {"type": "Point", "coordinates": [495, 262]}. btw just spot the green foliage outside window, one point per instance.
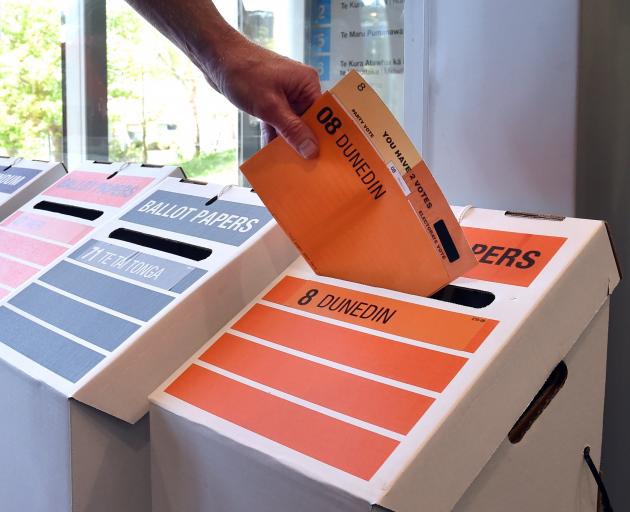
{"type": "Point", "coordinates": [30, 79]}
{"type": "Point", "coordinates": [145, 73]}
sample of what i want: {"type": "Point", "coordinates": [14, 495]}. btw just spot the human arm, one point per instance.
{"type": "Point", "coordinates": [275, 89]}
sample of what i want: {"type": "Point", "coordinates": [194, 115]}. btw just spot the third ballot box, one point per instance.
{"type": "Point", "coordinates": [22, 179]}
{"type": "Point", "coordinates": [87, 339]}
{"type": "Point", "coordinates": [324, 394]}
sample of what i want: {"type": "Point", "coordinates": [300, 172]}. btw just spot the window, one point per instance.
{"type": "Point", "coordinates": [160, 108]}
{"type": "Point", "coordinates": [91, 79]}
{"type": "Point", "coordinates": [31, 118]}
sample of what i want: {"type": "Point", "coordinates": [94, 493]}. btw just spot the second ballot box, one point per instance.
{"type": "Point", "coordinates": [54, 221]}
{"type": "Point", "coordinates": [324, 394]}
{"type": "Point", "coordinates": [87, 339]}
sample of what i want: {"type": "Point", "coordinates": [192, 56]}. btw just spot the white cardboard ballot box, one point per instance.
{"type": "Point", "coordinates": [22, 179]}
{"type": "Point", "coordinates": [54, 221]}
{"type": "Point", "coordinates": [85, 342]}
{"type": "Point", "coordinates": [327, 395]}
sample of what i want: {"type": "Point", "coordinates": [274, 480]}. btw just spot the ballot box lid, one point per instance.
{"type": "Point", "coordinates": [398, 400]}
{"type": "Point", "coordinates": [21, 179]}
{"type": "Point", "coordinates": [18, 173]}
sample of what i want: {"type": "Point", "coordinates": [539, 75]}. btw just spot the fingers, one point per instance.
{"type": "Point", "coordinates": [268, 133]}
{"type": "Point", "coordinates": [309, 93]}
{"type": "Point", "coordinates": [291, 127]}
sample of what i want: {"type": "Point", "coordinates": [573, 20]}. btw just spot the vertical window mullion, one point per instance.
{"type": "Point", "coordinates": [86, 81]}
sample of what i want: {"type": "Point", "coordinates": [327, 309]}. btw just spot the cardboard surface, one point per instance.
{"type": "Point", "coordinates": [21, 180]}
{"type": "Point", "coordinates": [94, 332]}
{"type": "Point", "coordinates": [403, 412]}
{"type": "Point", "coordinates": [551, 450]}
{"type": "Point", "coordinates": [368, 204]}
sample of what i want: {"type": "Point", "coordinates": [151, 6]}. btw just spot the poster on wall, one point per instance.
{"type": "Point", "coordinates": [362, 35]}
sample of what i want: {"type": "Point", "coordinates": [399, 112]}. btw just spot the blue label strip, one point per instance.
{"type": "Point", "coordinates": [223, 221]}
{"type": "Point", "coordinates": [188, 281]}
{"type": "Point", "coordinates": [101, 329]}
{"type": "Point", "coordinates": [49, 349]}
{"type": "Point", "coordinates": [135, 265]}
{"type": "Point", "coordinates": [107, 291]}
{"type": "Point", "coordinates": [14, 178]}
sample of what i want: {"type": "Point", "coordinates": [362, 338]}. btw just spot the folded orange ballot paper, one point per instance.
{"type": "Point", "coordinates": [367, 208]}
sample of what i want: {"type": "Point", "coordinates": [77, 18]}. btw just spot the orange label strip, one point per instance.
{"type": "Point", "coordinates": [397, 361]}
{"type": "Point", "coordinates": [392, 408]}
{"type": "Point", "coordinates": [422, 323]}
{"type": "Point", "coordinates": [510, 258]}
{"type": "Point", "coordinates": [344, 446]}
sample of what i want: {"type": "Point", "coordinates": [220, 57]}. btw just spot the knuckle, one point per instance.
{"type": "Point", "coordinates": [292, 127]}
{"type": "Point", "coordinates": [267, 109]}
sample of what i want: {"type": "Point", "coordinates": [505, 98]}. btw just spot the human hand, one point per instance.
{"type": "Point", "coordinates": [273, 88]}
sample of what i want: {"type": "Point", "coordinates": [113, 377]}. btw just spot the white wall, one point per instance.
{"type": "Point", "coordinates": [498, 80]}
{"type": "Point", "coordinates": [508, 116]}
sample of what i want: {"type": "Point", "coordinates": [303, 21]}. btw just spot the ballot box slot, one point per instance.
{"type": "Point", "coordinates": [537, 216]}
{"type": "Point", "coordinates": [68, 209]}
{"type": "Point", "coordinates": [193, 182]}
{"type": "Point", "coordinates": [543, 398]}
{"type": "Point", "coordinates": [464, 296]}
{"type": "Point", "coordinates": [189, 251]}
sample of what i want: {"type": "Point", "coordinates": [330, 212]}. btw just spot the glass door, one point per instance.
{"type": "Point", "coordinates": [366, 36]}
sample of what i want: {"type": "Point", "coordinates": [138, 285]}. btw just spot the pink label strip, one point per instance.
{"type": "Point", "coordinates": [13, 274]}
{"type": "Point", "coordinates": [95, 188]}
{"type": "Point", "coordinates": [29, 249]}
{"type": "Point", "coordinates": [46, 227]}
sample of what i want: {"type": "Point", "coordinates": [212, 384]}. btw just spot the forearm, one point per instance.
{"type": "Point", "coordinates": [260, 82]}
{"type": "Point", "coordinates": [196, 27]}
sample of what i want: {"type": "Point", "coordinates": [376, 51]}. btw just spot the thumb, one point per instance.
{"type": "Point", "coordinates": [295, 131]}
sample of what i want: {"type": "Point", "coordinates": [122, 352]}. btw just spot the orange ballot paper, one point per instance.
{"type": "Point", "coordinates": [367, 208]}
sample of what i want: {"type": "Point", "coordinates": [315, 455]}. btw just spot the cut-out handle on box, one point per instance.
{"type": "Point", "coordinates": [189, 251]}
{"type": "Point", "coordinates": [68, 209]}
{"type": "Point", "coordinates": [464, 296]}
{"type": "Point", "coordinates": [543, 398]}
